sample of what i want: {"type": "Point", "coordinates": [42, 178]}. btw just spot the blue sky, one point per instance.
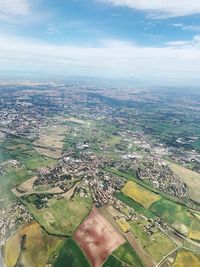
{"type": "Point", "coordinates": [156, 41]}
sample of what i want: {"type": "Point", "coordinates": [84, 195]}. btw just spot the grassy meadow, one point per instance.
{"type": "Point", "coordinates": [71, 255]}
{"type": "Point", "coordinates": [112, 261]}
{"type": "Point", "coordinates": [157, 245]}
{"type": "Point", "coordinates": [128, 256]}
{"type": "Point", "coordinates": [63, 216]}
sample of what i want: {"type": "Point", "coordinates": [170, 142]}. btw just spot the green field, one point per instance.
{"type": "Point", "coordinates": [157, 245]}
{"type": "Point", "coordinates": [170, 211]}
{"type": "Point", "coordinates": [133, 204]}
{"type": "Point", "coordinates": [36, 161]}
{"type": "Point", "coordinates": [7, 182]}
{"type": "Point", "coordinates": [126, 175]}
{"type": "Point", "coordinates": [175, 214]}
{"type": "Point", "coordinates": [127, 255]}
{"type": "Point", "coordinates": [63, 216]}
{"type": "Point", "coordinates": [70, 255]}
{"type": "Point", "coordinates": [22, 151]}
{"type": "Point", "coordinates": [112, 261]}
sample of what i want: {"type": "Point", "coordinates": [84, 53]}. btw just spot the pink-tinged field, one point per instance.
{"type": "Point", "coordinates": [97, 238]}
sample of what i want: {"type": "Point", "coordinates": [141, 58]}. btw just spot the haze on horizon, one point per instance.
{"type": "Point", "coordinates": [149, 41]}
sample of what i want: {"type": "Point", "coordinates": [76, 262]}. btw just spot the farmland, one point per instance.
{"type": "Point", "coordinates": [62, 217]}
{"type": "Point", "coordinates": [139, 194]}
{"type": "Point", "coordinates": [130, 202]}
{"type": "Point", "coordinates": [24, 151]}
{"type": "Point", "coordinates": [50, 143]}
{"type": "Point", "coordinates": [173, 213]}
{"type": "Point", "coordinates": [12, 179]}
{"type": "Point", "coordinates": [127, 255]}
{"type": "Point", "coordinates": [29, 161]}
{"type": "Point", "coordinates": [156, 245]}
{"type": "Point", "coordinates": [40, 247]}
{"type": "Point", "coordinates": [97, 238]}
{"type": "Point", "coordinates": [194, 231]}
{"type": "Point", "coordinates": [112, 262]}
{"type": "Point", "coordinates": [71, 255]}
{"type": "Point", "coordinates": [165, 208]}
{"type": "Point", "coordinates": [186, 258]}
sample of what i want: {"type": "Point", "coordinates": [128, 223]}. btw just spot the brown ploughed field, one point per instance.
{"type": "Point", "coordinates": [97, 238]}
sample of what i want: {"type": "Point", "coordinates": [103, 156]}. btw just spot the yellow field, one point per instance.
{"type": "Point", "coordinates": [190, 178]}
{"type": "Point", "coordinates": [187, 259]}
{"type": "Point", "coordinates": [194, 232]}
{"type": "Point", "coordinates": [139, 194]}
{"type": "Point", "coordinates": [12, 250]}
{"type": "Point", "coordinates": [123, 224]}
{"type": "Point", "coordinates": [39, 247]}
{"type": "Point", "coordinates": [115, 140]}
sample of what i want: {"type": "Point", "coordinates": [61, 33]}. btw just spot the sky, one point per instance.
{"type": "Point", "coordinates": [155, 41]}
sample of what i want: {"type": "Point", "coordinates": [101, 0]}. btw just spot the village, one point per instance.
{"type": "Point", "coordinates": [156, 171]}
{"type": "Point", "coordinates": [11, 218]}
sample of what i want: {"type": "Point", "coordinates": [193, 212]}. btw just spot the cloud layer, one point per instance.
{"type": "Point", "coordinates": [173, 63]}
{"type": "Point", "coordinates": [13, 8]}
{"type": "Point", "coordinates": [161, 8]}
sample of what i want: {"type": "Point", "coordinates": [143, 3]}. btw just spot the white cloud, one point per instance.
{"type": "Point", "coordinates": [191, 27]}
{"type": "Point", "coordinates": [171, 64]}
{"type": "Point", "coordinates": [10, 9]}
{"type": "Point", "coordinates": [161, 8]}
{"type": "Point", "coordinates": [52, 30]}
{"type": "Point", "coordinates": [194, 43]}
